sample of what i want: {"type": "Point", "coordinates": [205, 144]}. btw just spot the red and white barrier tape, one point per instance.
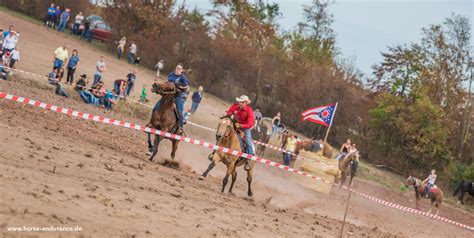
{"type": "Point", "coordinates": [112, 121]}
{"type": "Point", "coordinates": [189, 122]}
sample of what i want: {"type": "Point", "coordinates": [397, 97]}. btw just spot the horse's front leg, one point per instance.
{"type": "Point", "coordinates": [155, 147]}
{"type": "Point", "coordinates": [249, 178]}
{"type": "Point", "coordinates": [174, 148]}
{"type": "Point", "coordinates": [215, 159]}
{"type": "Point", "coordinates": [234, 177]}
{"type": "Point", "coordinates": [150, 146]}
{"type": "Point", "coordinates": [230, 168]}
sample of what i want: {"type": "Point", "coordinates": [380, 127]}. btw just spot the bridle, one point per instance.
{"type": "Point", "coordinates": [156, 89]}
{"type": "Point", "coordinates": [226, 134]}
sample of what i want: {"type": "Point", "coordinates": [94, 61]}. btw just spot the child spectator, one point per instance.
{"type": "Point", "coordinates": [143, 95]}
{"type": "Point", "coordinates": [14, 57]}
{"type": "Point", "coordinates": [99, 70]}
{"type": "Point", "coordinates": [120, 87]}
{"type": "Point", "coordinates": [196, 98]}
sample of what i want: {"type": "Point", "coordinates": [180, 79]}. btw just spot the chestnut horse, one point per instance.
{"type": "Point", "coordinates": [165, 118]}
{"type": "Point", "coordinates": [227, 137]}
{"type": "Point", "coordinates": [436, 196]}
{"type": "Point", "coordinates": [347, 168]}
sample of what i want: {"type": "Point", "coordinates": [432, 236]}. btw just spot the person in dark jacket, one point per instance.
{"type": "Point", "coordinates": [197, 97]}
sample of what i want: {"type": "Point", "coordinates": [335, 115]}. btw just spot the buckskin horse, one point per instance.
{"type": "Point", "coordinates": [435, 194]}
{"type": "Point", "coordinates": [165, 118]}
{"type": "Point", "coordinates": [463, 188]}
{"type": "Point", "coordinates": [227, 137]}
{"type": "Point", "coordinates": [348, 166]}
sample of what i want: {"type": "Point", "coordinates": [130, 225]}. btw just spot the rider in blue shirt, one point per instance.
{"type": "Point", "coordinates": [182, 84]}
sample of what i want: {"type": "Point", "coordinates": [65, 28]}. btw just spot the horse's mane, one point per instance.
{"type": "Point", "coordinates": [231, 119]}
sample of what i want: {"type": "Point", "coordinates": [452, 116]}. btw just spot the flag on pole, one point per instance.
{"type": "Point", "coordinates": [322, 115]}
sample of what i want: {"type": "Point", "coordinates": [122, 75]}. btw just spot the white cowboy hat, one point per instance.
{"type": "Point", "coordinates": [243, 98]}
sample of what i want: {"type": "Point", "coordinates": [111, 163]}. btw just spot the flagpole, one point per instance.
{"type": "Point", "coordinates": [329, 128]}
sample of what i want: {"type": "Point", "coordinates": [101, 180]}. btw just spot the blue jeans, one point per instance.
{"type": "Point", "coordinates": [179, 101]}
{"type": "Point", "coordinates": [84, 97]}
{"type": "Point", "coordinates": [96, 79]}
{"type": "Point", "coordinates": [341, 155]}
{"type": "Point", "coordinates": [62, 25]}
{"type": "Point", "coordinates": [274, 130]}
{"type": "Point", "coordinates": [60, 90]}
{"type": "Point", "coordinates": [129, 88]}
{"type": "Point", "coordinates": [119, 53]}
{"type": "Point", "coordinates": [248, 141]}
{"type": "Point", "coordinates": [74, 28]}
{"type": "Point", "coordinates": [194, 107]}
{"type": "Point", "coordinates": [58, 63]}
{"type": "Point", "coordinates": [131, 58]}
{"type": "Point", "coordinates": [287, 158]}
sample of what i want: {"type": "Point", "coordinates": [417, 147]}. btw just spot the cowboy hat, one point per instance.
{"type": "Point", "coordinates": [243, 98]}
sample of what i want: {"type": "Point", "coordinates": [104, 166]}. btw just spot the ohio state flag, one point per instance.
{"type": "Point", "coordinates": [322, 115]}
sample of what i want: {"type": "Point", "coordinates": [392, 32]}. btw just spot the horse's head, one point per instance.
{"type": "Point", "coordinates": [226, 128]}
{"type": "Point", "coordinates": [264, 129]}
{"type": "Point", "coordinates": [410, 181]}
{"type": "Point", "coordinates": [165, 88]}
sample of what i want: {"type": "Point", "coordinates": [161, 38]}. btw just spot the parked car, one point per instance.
{"type": "Point", "coordinates": [102, 31]}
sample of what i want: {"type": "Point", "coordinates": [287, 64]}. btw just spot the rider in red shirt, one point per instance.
{"type": "Point", "coordinates": [243, 115]}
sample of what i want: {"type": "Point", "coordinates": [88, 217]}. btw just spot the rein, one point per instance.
{"type": "Point", "coordinates": [227, 133]}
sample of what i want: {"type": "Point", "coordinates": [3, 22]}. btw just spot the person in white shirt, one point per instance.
{"type": "Point", "coordinates": [159, 66]}
{"type": "Point", "coordinates": [77, 23]}
{"type": "Point", "coordinates": [14, 56]}
{"type": "Point", "coordinates": [121, 47]}
{"type": "Point", "coordinates": [9, 43]}
{"type": "Point", "coordinates": [132, 53]}
{"type": "Point", "coordinates": [100, 69]}
{"type": "Point", "coordinates": [430, 181]}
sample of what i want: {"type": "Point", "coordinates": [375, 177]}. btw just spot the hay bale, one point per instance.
{"type": "Point", "coordinates": [318, 165]}
{"type": "Point", "coordinates": [327, 150]}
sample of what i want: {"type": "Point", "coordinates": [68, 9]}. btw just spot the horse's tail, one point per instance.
{"type": "Point", "coordinates": [459, 188]}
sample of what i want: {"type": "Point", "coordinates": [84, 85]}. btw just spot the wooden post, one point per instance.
{"type": "Point", "coordinates": [347, 208]}
{"type": "Point", "coordinates": [329, 128]}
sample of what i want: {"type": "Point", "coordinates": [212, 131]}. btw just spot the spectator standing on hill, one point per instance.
{"type": "Point", "coordinates": [63, 19]}
{"type": "Point", "coordinates": [85, 32]}
{"type": "Point", "coordinates": [57, 14]}
{"type": "Point", "coordinates": [131, 77]}
{"type": "Point", "coordinates": [289, 147]}
{"type": "Point", "coordinates": [14, 56]}
{"type": "Point", "coordinates": [99, 70]}
{"type": "Point", "coordinates": [159, 66]}
{"type": "Point", "coordinates": [196, 98]}
{"type": "Point", "coordinates": [61, 55]}
{"type": "Point", "coordinates": [10, 41]}
{"type": "Point", "coordinates": [77, 23]}
{"type": "Point", "coordinates": [48, 20]}
{"type": "Point", "coordinates": [71, 67]}
{"type": "Point", "coordinates": [132, 52]}
{"type": "Point", "coordinates": [275, 123]}
{"type": "Point", "coordinates": [121, 47]}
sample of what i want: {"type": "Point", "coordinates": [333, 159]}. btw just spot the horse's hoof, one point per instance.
{"type": "Point", "coordinates": [201, 177]}
{"type": "Point", "coordinates": [148, 153]}
{"type": "Point", "coordinates": [150, 159]}
{"type": "Point", "coordinates": [250, 194]}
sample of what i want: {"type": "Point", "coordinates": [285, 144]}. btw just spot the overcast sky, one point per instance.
{"type": "Point", "coordinates": [365, 28]}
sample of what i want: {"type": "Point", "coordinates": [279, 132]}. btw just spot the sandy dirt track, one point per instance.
{"type": "Point", "coordinates": [103, 182]}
